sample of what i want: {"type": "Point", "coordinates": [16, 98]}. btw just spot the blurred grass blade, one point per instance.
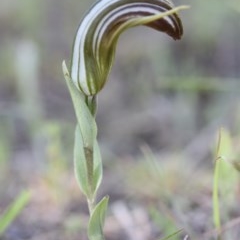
{"type": "Point", "coordinates": [95, 228]}
{"type": "Point", "coordinates": [223, 151]}
{"type": "Point", "coordinates": [14, 210]}
{"type": "Point", "coordinates": [224, 145]}
{"type": "Point", "coordinates": [226, 176]}
{"type": "Point", "coordinates": [172, 235]}
{"type": "Point", "coordinates": [216, 209]}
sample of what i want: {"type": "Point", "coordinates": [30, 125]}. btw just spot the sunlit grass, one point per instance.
{"type": "Point", "coordinates": [13, 210]}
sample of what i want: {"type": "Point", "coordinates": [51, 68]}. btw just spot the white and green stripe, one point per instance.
{"type": "Point", "coordinates": [97, 35]}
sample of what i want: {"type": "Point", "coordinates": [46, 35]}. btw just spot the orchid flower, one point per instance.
{"type": "Point", "coordinates": [96, 38]}
{"type": "Point", "coordinates": [92, 57]}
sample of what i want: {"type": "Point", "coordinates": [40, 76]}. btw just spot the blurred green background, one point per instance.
{"type": "Point", "coordinates": [170, 97]}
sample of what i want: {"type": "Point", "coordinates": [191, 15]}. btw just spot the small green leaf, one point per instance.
{"type": "Point", "coordinates": [95, 227]}
{"type": "Point", "coordinates": [88, 181]}
{"type": "Point", "coordinates": [85, 119]}
{"type": "Point", "coordinates": [97, 172]}
{"type": "Point", "coordinates": [80, 164]}
{"type": "Point", "coordinates": [14, 210]}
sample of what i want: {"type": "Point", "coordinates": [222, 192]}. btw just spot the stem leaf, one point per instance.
{"type": "Point", "coordinates": [97, 171]}
{"type": "Point", "coordinates": [96, 222]}
{"type": "Point", "coordinates": [85, 119]}
{"type": "Point", "coordinates": [80, 163]}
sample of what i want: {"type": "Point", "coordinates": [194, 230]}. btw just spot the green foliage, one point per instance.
{"type": "Point", "coordinates": [88, 182]}
{"type": "Point", "coordinates": [216, 208]}
{"type": "Point", "coordinates": [172, 235]}
{"type": "Point", "coordinates": [6, 129]}
{"type": "Point", "coordinates": [4, 152]}
{"type": "Point", "coordinates": [165, 223]}
{"type": "Point", "coordinates": [87, 157]}
{"type": "Point", "coordinates": [55, 157]}
{"type": "Point", "coordinates": [97, 170]}
{"type": "Point", "coordinates": [225, 177]}
{"type": "Point", "coordinates": [95, 228]}
{"type": "Point", "coordinates": [197, 70]}
{"type": "Point", "coordinates": [226, 154]}
{"type": "Point", "coordinates": [85, 120]}
{"type": "Point", "coordinates": [80, 164]}
{"type": "Point", "coordinates": [14, 210]}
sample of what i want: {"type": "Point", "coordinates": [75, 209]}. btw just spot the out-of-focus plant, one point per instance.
{"type": "Point", "coordinates": [225, 178]}
{"type": "Point", "coordinates": [27, 69]}
{"type": "Point", "coordinates": [56, 161]}
{"type": "Point", "coordinates": [92, 57]}
{"type": "Point", "coordinates": [4, 149]}
{"type": "Point", "coordinates": [13, 210]}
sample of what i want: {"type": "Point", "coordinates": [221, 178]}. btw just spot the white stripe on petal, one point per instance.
{"type": "Point", "coordinates": [93, 37]}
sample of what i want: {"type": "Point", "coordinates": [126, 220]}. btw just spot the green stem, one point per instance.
{"type": "Point", "coordinates": [91, 205]}
{"type": "Point", "coordinates": [92, 104]}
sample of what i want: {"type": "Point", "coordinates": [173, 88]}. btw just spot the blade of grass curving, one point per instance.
{"type": "Point", "coordinates": [172, 234]}
{"type": "Point", "coordinates": [14, 210]}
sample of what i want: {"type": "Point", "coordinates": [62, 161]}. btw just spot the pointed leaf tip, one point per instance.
{"type": "Point", "coordinates": [95, 228]}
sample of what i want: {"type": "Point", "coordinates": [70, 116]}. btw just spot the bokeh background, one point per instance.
{"type": "Point", "coordinates": [158, 119]}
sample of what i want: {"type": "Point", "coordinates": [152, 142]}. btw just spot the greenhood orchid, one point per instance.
{"type": "Point", "coordinates": [92, 57]}
{"type": "Point", "coordinates": [95, 41]}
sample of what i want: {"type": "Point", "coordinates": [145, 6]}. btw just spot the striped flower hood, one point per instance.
{"type": "Point", "coordinates": [96, 38]}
